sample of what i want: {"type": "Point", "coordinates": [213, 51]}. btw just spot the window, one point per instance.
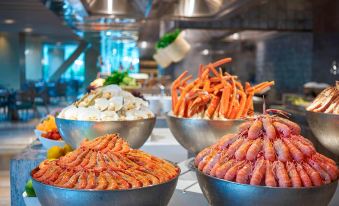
{"type": "Point", "coordinates": [55, 54]}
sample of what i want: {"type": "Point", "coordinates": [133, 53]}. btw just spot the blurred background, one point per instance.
{"type": "Point", "coordinates": [51, 50]}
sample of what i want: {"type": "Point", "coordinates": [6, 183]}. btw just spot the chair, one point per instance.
{"type": "Point", "coordinates": [22, 102]}
{"type": "Point", "coordinates": [42, 97]}
{"type": "Point", "coordinates": [4, 103]}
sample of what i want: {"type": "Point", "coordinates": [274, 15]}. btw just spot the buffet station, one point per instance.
{"type": "Point", "coordinates": [107, 148]}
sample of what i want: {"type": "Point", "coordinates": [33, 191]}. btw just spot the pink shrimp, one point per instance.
{"type": "Point", "coordinates": [292, 172]}
{"type": "Point", "coordinates": [283, 129]}
{"type": "Point", "coordinates": [258, 172]}
{"type": "Point", "coordinates": [240, 154]}
{"type": "Point", "coordinates": [255, 130]}
{"type": "Point", "coordinates": [325, 176]}
{"type": "Point", "coordinates": [208, 167]}
{"type": "Point", "coordinates": [232, 172]}
{"type": "Point", "coordinates": [305, 149]}
{"type": "Point", "coordinates": [244, 127]}
{"type": "Point", "coordinates": [325, 159]}
{"type": "Point", "coordinates": [82, 182]}
{"type": "Point", "coordinates": [295, 152]}
{"type": "Point", "coordinates": [102, 182]}
{"type": "Point", "coordinates": [294, 128]}
{"type": "Point", "coordinates": [269, 175]}
{"type": "Point", "coordinates": [269, 152]}
{"type": "Point", "coordinates": [281, 174]}
{"type": "Point", "coordinates": [307, 182]}
{"type": "Point", "coordinates": [314, 175]}
{"type": "Point", "coordinates": [227, 140]}
{"type": "Point", "coordinates": [201, 155]}
{"type": "Point", "coordinates": [329, 168]}
{"type": "Point", "coordinates": [270, 132]}
{"type": "Point", "coordinates": [221, 171]}
{"type": "Point", "coordinates": [254, 149]}
{"type": "Point", "coordinates": [243, 173]}
{"type": "Point", "coordinates": [205, 160]}
{"type": "Point", "coordinates": [233, 147]}
{"type": "Point", "coordinates": [282, 150]}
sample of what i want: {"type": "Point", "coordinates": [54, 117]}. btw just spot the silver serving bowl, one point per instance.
{"type": "Point", "coordinates": [197, 134]}
{"type": "Point", "coordinates": [222, 192]}
{"type": "Point", "coordinates": [146, 196]}
{"type": "Point", "coordinates": [135, 132]}
{"type": "Point", "coordinates": [325, 127]}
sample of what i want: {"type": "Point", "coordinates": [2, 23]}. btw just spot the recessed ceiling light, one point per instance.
{"type": "Point", "coordinates": [143, 44]}
{"type": "Point", "coordinates": [205, 52]}
{"type": "Point", "coordinates": [9, 21]}
{"type": "Point", "coordinates": [28, 29]}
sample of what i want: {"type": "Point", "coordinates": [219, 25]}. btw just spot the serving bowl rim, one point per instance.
{"type": "Point", "coordinates": [99, 121]}
{"type": "Point", "coordinates": [124, 190]}
{"type": "Point", "coordinates": [266, 187]}
{"type": "Point", "coordinates": [206, 120]}
{"type": "Point", "coordinates": [322, 113]}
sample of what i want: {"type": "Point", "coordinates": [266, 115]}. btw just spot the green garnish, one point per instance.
{"type": "Point", "coordinates": [167, 39]}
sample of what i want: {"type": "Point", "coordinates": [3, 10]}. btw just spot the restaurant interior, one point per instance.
{"type": "Point", "coordinates": [167, 58]}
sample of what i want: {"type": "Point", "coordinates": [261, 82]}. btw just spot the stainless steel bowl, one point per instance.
{"type": "Point", "coordinates": [222, 192]}
{"type": "Point", "coordinates": [197, 134]}
{"type": "Point", "coordinates": [152, 195]}
{"type": "Point", "coordinates": [325, 127]}
{"type": "Point", "coordinates": [135, 132]}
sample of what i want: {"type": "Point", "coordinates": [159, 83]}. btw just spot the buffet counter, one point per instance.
{"type": "Point", "coordinates": [161, 143]}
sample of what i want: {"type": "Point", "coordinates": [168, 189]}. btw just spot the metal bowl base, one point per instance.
{"type": "Point", "coordinates": [221, 192]}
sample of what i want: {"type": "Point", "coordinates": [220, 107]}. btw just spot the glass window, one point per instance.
{"type": "Point", "coordinates": [55, 54]}
{"type": "Point", "coordinates": [119, 51]}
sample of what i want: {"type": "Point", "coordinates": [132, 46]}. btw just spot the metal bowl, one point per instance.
{"type": "Point", "coordinates": [222, 192]}
{"type": "Point", "coordinates": [152, 195]}
{"type": "Point", "coordinates": [135, 132]}
{"type": "Point", "coordinates": [197, 134]}
{"type": "Point", "coordinates": [325, 127]}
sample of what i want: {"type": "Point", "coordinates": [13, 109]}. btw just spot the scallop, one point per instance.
{"type": "Point", "coordinates": [69, 112]}
{"type": "Point", "coordinates": [109, 116]}
{"type": "Point", "coordinates": [101, 104]}
{"type": "Point", "coordinates": [115, 103]}
{"type": "Point", "coordinates": [89, 113]}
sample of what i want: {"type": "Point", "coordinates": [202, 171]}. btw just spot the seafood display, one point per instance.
{"type": "Point", "coordinates": [105, 163]}
{"type": "Point", "coordinates": [269, 151]}
{"type": "Point", "coordinates": [327, 101]}
{"type": "Point", "coordinates": [49, 128]}
{"type": "Point", "coordinates": [107, 103]}
{"type": "Point", "coordinates": [214, 94]}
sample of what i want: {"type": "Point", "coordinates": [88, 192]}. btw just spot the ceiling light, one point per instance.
{"type": "Point", "coordinates": [205, 52]}
{"type": "Point", "coordinates": [143, 44]}
{"type": "Point", "coordinates": [28, 29]}
{"type": "Point", "coordinates": [9, 21]}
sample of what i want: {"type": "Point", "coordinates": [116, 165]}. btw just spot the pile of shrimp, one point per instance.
{"type": "Point", "coordinates": [213, 95]}
{"type": "Point", "coordinates": [267, 151]}
{"type": "Point", "coordinates": [105, 163]}
{"type": "Point", "coordinates": [327, 101]}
